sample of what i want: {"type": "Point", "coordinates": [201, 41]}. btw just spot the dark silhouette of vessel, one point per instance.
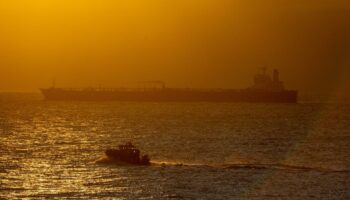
{"type": "Point", "coordinates": [266, 89]}
{"type": "Point", "coordinates": [128, 154]}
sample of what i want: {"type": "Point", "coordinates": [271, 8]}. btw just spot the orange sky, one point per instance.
{"type": "Point", "coordinates": [187, 43]}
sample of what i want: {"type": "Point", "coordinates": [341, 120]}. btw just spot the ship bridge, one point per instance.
{"type": "Point", "coordinates": [263, 81]}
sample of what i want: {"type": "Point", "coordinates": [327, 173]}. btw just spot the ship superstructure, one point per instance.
{"type": "Point", "coordinates": [262, 81]}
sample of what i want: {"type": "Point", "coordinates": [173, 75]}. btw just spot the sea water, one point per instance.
{"type": "Point", "coordinates": [199, 150]}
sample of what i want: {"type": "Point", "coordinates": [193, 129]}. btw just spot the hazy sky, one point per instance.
{"type": "Point", "coordinates": [187, 43]}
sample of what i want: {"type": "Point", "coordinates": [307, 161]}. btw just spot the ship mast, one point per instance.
{"type": "Point", "coordinates": [54, 82]}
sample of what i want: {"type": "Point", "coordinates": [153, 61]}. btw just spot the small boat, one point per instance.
{"type": "Point", "coordinates": [129, 154]}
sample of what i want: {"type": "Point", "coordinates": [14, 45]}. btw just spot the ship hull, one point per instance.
{"type": "Point", "coordinates": [172, 95]}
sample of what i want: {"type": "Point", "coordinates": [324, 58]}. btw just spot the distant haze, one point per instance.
{"type": "Point", "coordinates": [186, 43]}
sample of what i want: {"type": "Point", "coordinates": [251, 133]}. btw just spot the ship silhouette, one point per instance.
{"type": "Point", "coordinates": [266, 89]}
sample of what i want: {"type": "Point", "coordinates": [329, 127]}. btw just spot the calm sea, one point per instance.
{"type": "Point", "coordinates": [199, 150]}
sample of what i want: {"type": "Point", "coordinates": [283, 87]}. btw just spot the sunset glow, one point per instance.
{"type": "Point", "coordinates": [184, 43]}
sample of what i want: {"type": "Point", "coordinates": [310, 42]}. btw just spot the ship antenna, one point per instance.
{"type": "Point", "coordinates": [54, 82]}
{"type": "Point", "coordinates": [263, 69]}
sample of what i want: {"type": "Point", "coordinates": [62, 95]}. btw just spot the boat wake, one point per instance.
{"type": "Point", "coordinates": [108, 161]}
{"type": "Point", "coordinates": [228, 166]}
{"type": "Point", "coordinates": [283, 167]}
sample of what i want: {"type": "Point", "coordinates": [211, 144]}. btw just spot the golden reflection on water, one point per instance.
{"type": "Point", "coordinates": [50, 150]}
{"type": "Point", "coordinates": [47, 166]}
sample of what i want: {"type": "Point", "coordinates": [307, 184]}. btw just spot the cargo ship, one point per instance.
{"type": "Point", "coordinates": [266, 89]}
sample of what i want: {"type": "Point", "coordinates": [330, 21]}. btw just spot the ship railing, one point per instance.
{"type": "Point", "coordinates": [109, 89]}
{"type": "Point", "coordinates": [122, 89]}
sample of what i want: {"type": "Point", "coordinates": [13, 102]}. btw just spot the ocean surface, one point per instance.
{"type": "Point", "coordinates": [199, 150]}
